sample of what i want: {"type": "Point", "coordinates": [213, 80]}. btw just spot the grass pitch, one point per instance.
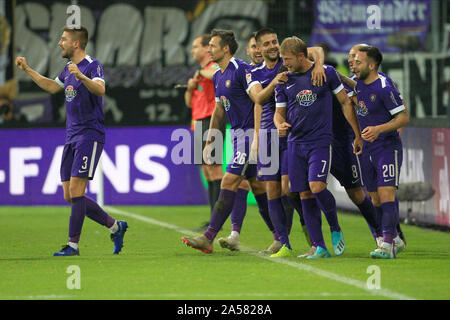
{"type": "Point", "coordinates": [154, 264]}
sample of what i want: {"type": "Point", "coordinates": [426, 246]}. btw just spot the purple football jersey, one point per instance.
{"type": "Point", "coordinates": [378, 103]}
{"type": "Point", "coordinates": [309, 108]}
{"type": "Point", "coordinates": [231, 89]}
{"type": "Point", "coordinates": [84, 114]}
{"type": "Point", "coordinates": [263, 75]}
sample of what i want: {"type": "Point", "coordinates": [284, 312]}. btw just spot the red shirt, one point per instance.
{"type": "Point", "coordinates": [203, 99]}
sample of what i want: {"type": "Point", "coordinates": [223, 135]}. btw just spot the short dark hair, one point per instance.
{"type": "Point", "coordinates": [226, 39]}
{"type": "Point", "coordinates": [263, 32]}
{"type": "Point", "coordinates": [81, 34]}
{"type": "Point", "coordinates": [373, 53]}
{"type": "Point", "coordinates": [205, 39]}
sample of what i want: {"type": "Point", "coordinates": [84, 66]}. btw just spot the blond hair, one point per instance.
{"type": "Point", "coordinates": [294, 45]}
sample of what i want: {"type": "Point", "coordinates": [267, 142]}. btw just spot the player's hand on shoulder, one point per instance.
{"type": "Point", "coordinates": [318, 76]}
{"type": "Point", "coordinates": [280, 78]}
{"type": "Point", "coordinates": [21, 62]}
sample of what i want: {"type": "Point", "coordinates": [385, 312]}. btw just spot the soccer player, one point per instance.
{"type": "Point", "coordinates": [350, 83]}
{"type": "Point", "coordinates": [199, 97]}
{"type": "Point", "coordinates": [84, 86]}
{"type": "Point", "coordinates": [232, 101]}
{"type": "Point", "coordinates": [253, 51]}
{"type": "Point", "coordinates": [381, 113]}
{"type": "Point", "coordinates": [305, 110]}
{"type": "Point", "coordinates": [346, 169]}
{"type": "Point", "coordinates": [276, 183]}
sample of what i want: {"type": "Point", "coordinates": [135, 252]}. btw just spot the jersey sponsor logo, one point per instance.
{"type": "Point", "coordinates": [228, 83]}
{"type": "Point", "coordinates": [225, 102]}
{"type": "Point", "coordinates": [361, 109]}
{"type": "Point", "coordinates": [306, 98]}
{"type": "Point", "coordinates": [71, 93]}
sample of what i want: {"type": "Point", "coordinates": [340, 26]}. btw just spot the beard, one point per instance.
{"type": "Point", "coordinates": [67, 54]}
{"type": "Point", "coordinates": [363, 74]}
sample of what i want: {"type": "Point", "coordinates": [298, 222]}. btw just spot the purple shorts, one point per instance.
{"type": "Point", "coordinates": [239, 163]}
{"type": "Point", "coordinates": [345, 166]}
{"type": "Point", "coordinates": [381, 165]}
{"type": "Point", "coordinates": [272, 162]}
{"type": "Point", "coordinates": [308, 162]}
{"type": "Point", "coordinates": [80, 159]}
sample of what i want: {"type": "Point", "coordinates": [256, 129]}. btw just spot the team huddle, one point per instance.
{"type": "Point", "coordinates": [319, 122]}
{"type": "Point", "coordinates": [313, 121]}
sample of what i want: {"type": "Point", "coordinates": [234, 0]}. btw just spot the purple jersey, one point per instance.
{"type": "Point", "coordinates": [85, 119]}
{"type": "Point", "coordinates": [231, 89]}
{"type": "Point", "coordinates": [378, 103]}
{"type": "Point", "coordinates": [309, 108]}
{"type": "Point", "coordinates": [263, 75]}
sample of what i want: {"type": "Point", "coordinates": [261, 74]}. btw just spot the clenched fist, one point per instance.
{"type": "Point", "coordinates": [21, 62]}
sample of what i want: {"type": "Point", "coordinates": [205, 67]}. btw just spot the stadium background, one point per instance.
{"type": "Point", "coordinates": [144, 47]}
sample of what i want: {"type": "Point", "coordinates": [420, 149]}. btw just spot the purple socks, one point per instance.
{"type": "Point", "coordinates": [85, 206]}
{"type": "Point", "coordinates": [327, 204]}
{"type": "Point", "coordinates": [313, 221]}
{"type": "Point", "coordinates": [239, 210]}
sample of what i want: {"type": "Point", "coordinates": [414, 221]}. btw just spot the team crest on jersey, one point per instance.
{"type": "Point", "coordinates": [361, 109]}
{"type": "Point", "coordinates": [225, 102]}
{"type": "Point", "coordinates": [373, 97]}
{"type": "Point", "coordinates": [248, 77]}
{"type": "Point", "coordinates": [228, 83]}
{"type": "Point", "coordinates": [71, 93]}
{"type": "Point", "coordinates": [306, 98]}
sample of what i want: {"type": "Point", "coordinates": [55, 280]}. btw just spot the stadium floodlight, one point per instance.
{"type": "Point", "coordinates": [414, 191]}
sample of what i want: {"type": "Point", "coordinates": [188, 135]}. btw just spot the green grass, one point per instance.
{"type": "Point", "coordinates": [154, 263]}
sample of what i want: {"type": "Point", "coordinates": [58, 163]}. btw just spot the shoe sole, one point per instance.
{"type": "Point", "coordinates": [224, 244]}
{"type": "Point", "coordinates": [190, 244]}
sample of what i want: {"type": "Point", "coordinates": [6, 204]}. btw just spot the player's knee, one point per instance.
{"type": "Point", "coordinates": [230, 182]}
{"type": "Point", "coordinates": [375, 199]}
{"type": "Point", "coordinates": [67, 198]}
{"type": "Point", "coordinates": [386, 194]}
{"type": "Point", "coordinates": [244, 185]}
{"type": "Point", "coordinates": [257, 187]}
{"type": "Point", "coordinates": [317, 186]}
{"type": "Point", "coordinates": [357, 195]}
{"type": "Point", "coordinates": [306, 195]}
{"type": "Point", "coordinates": [273, 190]}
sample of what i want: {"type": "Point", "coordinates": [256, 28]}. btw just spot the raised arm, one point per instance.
{"type": "Point", "coordinates": [49, 85]}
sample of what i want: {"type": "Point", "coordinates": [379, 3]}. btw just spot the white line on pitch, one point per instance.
{"type": "Point", "coordinates": [323, 273]}
{"type": "Point", "coordinates": [190, 295]}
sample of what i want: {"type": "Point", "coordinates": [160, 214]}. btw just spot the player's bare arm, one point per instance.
{"type": "Point", "coordinates": [49, 85]}
{"type": "Point", "coordinates": [255, 144]}
{"type": "Point", "coordinates": [350, 116]}
{"type": "Point", "coordinates": [318, 76]}
{"type": "Point", "coordinates": [262, 96]}
{"type": "Point", "coordinates": [206, 73]}
{"type": "Point", "coordinates": [217, 120]}
{"type": "Point", "coordinates": [347, 81]}
{"type": "Point", "coordinates": [400, 120]}
{"type": "Point", "coordinates": [279, 119]}
{"type": "Point", "coordinates": [97, 87]}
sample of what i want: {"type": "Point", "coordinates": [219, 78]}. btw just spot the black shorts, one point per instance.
{"type": "Point", "coordinates": [200, 128]}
